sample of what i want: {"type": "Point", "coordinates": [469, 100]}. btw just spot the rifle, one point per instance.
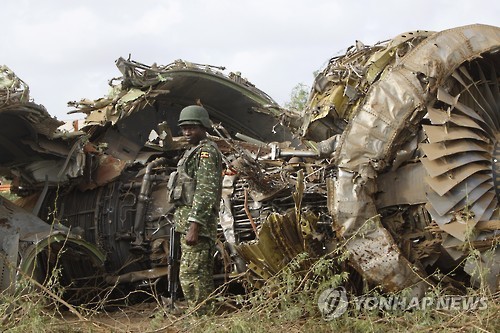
{"type": "Point", "coordinates": [173, 262]}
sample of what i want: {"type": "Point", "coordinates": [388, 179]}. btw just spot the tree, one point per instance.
{"type": "Point", "coordinates": [298, 98]}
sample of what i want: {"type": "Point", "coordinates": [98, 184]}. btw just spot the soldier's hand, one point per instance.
{"type": "Point", "coordinates": [192, 234]}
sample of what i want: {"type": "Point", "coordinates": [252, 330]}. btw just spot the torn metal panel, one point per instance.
{"type": "Point", "coordinates": [9, 248]}
{"type": "Point", "coordinates": [280, 240]}
{"type": "Point", "coordinates": [330, 106]}
{"type": "Point", "coordinates": [400, 187]}
{"type": "Point", "coordinates": [353, 203]}
{"type": "Point", "coordinates": [26, 241]}
{"type": "Point", "coordinates": [225, 214]}
{"type": "Point", "coordinates": [15, 98]}
{"type": "Point", "coordinates": [375, 257]}
{"type": "Point", "coordinates": [120, 146]}
{"type": "Point", "coordinates": [18, 123]}
{"type": "Point", "coordinates": [485, 267]}
{"type": "Point", "coordinates": [53, 171]}
{"type": "Point", "coordinates": [181, 83]}
{"type": "Point", "coordinates": [448, 49]}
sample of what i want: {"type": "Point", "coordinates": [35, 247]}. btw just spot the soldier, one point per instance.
{"type": "Point", "coordinates": [196, 190]}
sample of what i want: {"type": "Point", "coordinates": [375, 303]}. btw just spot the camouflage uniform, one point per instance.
{"type": "Point", "coordinates": [203, 164]}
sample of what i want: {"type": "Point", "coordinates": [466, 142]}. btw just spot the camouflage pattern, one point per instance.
{"type": "Point", "coordinates": [204, 164]}
{"type": "Point", "coordinates": [196, 269]}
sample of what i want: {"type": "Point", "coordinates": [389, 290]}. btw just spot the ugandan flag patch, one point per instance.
{"type": "Point", "coordinates": [204, 154]}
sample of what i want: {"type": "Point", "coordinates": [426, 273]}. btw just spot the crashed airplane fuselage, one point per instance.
{"type": "Point", "coordinates": [395, 156]}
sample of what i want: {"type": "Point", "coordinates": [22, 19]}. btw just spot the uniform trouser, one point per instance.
{"type": "Point", "coordinates": [196, 270]}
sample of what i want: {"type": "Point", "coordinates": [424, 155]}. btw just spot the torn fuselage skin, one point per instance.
{"type": "Point", "coordinates": [407, 111]}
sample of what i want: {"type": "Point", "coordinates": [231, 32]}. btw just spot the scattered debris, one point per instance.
{"type": "Point", "coordinates": [395, 157]}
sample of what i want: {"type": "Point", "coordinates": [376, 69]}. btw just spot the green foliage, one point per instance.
{"type": "Point", "coordinates": [21, 311]}
{"type": "Point", "coordinates": [288, 299]}
{"type": "Point", "coordinates": [9, 196]}
{"type": "Point", "coordinates": [298, 98]}
{"type": "Point", "coordinates": [286, 302]}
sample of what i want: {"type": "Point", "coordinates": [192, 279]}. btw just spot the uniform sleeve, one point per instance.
{"type": "Point", "coordinates": [208, 178]}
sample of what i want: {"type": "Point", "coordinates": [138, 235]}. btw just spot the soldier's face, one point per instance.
{"type": "Point", "coordinates": [193, 133]}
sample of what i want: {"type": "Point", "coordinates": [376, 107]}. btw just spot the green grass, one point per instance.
{"type": "Point", "coordinates": [285, 303]}
{"type": "Point", "coordinates": [9, 196]}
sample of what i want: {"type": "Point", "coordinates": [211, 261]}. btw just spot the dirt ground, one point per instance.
{"type": "Point", "coordinates": [144, 317]}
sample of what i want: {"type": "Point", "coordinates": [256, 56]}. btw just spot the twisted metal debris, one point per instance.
{"type": "Point", "coordinates": [395, 156]}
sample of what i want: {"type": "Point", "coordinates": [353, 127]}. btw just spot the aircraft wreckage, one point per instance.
{"type": "Point", "coordinates": [395, 156]}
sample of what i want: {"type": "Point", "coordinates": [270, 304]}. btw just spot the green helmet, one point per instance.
{"type": "Point", "coordinates": [194, 115]}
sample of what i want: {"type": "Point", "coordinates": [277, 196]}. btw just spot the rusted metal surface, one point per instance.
{"type": "Point", "coordinates": [28, 245]}
{"type": "Point", "coordinates": [395, 157]}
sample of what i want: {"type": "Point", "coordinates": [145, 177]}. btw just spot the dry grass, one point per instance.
{"type": "Point", "coordinates": [288, 303]}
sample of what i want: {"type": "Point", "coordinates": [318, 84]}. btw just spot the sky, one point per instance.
{"type": "Point", "coordinates": [65, 50]}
